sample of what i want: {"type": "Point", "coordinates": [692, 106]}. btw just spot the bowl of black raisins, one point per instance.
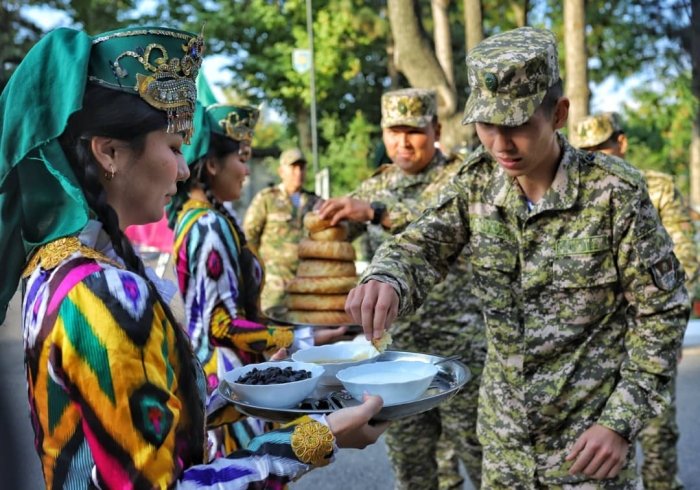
{"type": "Point", "coordinates": [277, 384]}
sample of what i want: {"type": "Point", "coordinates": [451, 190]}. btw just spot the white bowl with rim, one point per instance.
{"type": "Point", "coordinates": [395, 381]}
{"type": "Point", "coordinates": [336, 357]}
{"type": "Point", "coordinates": [279, 395]}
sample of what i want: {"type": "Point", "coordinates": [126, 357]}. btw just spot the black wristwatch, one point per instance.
{"type": "Point", "coordinates": [379, 209]}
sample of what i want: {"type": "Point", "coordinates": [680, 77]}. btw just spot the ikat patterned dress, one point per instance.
{"type": "Point", "coordinates": [211, 278]}
{"type": "Point", "coordinates": [105, 378]}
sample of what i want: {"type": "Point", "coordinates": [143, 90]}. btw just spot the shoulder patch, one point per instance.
{"type": "Point", "coordinates": [655, 175]}
{"type": "Point", "coordinates": [615, 166]}
{"type": "Point", "coordinates": [382, 168]}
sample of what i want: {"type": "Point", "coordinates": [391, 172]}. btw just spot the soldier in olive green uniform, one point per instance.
{"type": "Point", "coordinates": [583, 298]}
{"type": "Point", "coordinates": [604, 132]}
{"type": "Point", "coordinates": [450, 321]}
{"type": "Point", "coordinates": [273, 226]}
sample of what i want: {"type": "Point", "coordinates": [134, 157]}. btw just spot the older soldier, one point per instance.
{"type": "Point", "coordinates": [449, 322]}
{"type": "Point", "coordinates": [273, 225]}
{"type": "Point", "coordinates": [583, 298]}
{"type": "Point", "coordinates": [604, 132]}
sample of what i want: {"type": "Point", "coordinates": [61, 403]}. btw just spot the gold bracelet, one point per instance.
{"type": "Point", "coordinates": [312, 443]}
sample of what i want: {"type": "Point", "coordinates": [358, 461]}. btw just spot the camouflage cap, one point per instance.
{"type": "Point", "coordinates": [595, 130]}
{"type": "Point", "coordinates": [291, 156]}
{"type": "Point", "coordinates": [509, 75]}
{"type": "Point", "coordinates": [415, 107]}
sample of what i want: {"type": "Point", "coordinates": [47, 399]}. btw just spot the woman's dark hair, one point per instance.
{"type": "Point", "coordinates": [549, 102]}
{"type": "Point", "coordinates": [123, 116]}
{"type": "Point", "coordinates": [219, 147]}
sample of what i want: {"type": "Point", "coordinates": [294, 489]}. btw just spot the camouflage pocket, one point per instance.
{"type": "Point", "coordinates": [583, 287]}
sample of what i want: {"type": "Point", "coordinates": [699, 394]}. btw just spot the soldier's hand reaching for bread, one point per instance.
{"type": "Point", "coordinates": [374, 305]}
{"type": "Point", "coordinates": [339, 208]}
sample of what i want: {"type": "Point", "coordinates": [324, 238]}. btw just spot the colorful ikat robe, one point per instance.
{"type": "Point", "coordinates": [106, 393]}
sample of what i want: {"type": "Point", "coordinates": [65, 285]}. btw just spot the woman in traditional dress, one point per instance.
{"type": "Point", "coordinates": [90, 142]}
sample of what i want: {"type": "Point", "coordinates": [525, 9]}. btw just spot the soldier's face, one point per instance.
{"type": "Point", "coordinates": [411, 149]}
{"type": "Point", "coordinates": [529, 150]}
{"type": "Point", "coordinates": [293, 176]}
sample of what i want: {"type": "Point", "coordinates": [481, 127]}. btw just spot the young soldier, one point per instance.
{"type": "Point", "coordinates": [273, 225]}
{"type": "Point", "coordinates": [583, 298]}
{"type": "Point", "coordinates": [450, 321]}
{"type": "Point", "coordinates": [604, 132]}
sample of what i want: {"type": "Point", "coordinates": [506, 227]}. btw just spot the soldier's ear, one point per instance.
{"type": "Point", "coordinates": [622, 143]}
{"type": "Point", "coordinates": [560, 113]}
{"type": "Point", "coordinates": [438, 128]}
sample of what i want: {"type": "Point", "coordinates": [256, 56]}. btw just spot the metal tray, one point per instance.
{"type": "Point", "coordinates": [451, 376]}
{"type": "Point", "coordinates": [278, 314]}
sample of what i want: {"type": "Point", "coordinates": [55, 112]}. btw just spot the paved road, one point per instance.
{"type": "Point", "coordinates": [368, 469]}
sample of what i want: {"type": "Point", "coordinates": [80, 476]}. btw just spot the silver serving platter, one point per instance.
{"type": "Point", "coordinates": [278, 314]}
{"type": "Point", "coordinates": [451, 376]}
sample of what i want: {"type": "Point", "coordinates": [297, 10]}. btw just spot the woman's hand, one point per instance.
{"type": "Point", "coordinates": [329, 335]}
{"type": "Point", "coordinates": [374, 305]}
{"type": "Point", "coordinates": [350, 425]}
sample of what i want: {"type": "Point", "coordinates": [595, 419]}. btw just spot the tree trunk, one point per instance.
{"type": "Point", "coordinates": [391, 69]}
{"type": "Point", "coordinates": [415, 58]}
{"type": "Point", "coordinates": [576, 59]}
{"type": "Point", "coordinates": [519, 8]}
{"type": "Point", "coordinates": [442, 38]}
{"type": "Point", "coordinates": [473, 23]}
{"type": "Point", "coordinates": [695, 142]}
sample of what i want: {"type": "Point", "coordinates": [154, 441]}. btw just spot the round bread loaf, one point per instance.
{"type": "Point", "coordinates": [325, 268]}
{"type": "Point", "coordinates": [322, 302]}
{"type": "Point", "coordinates": [321, 285]}
{"type": "Point", "coordinates": [319, 317]}
{"type": "Point", "coordinates": [332, 234]}
{"type": "Point", "coordinates": [309, 249]}
{"type": "Point", "coordinates": [314, 223]}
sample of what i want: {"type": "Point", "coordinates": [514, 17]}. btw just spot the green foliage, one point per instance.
{"type": "Point", "coordinates": [17, 36]}
{"type": "Point", "coordinates": [659, 128]}
{"type": "Point", "coordinates": [349, 152]}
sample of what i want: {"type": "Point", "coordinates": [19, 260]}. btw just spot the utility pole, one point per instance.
{"type": "Point", "coordinates": [314, 138]}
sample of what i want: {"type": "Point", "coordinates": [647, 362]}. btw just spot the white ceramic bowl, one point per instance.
{"type": "Point", "coordinates": [336, 357]}
{"type": "Point", "coordinates": [283, 395]}
{"type": "Point", "coordinates": [395, 381]}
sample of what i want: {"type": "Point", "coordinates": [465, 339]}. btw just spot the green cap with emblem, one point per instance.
{"type": "Point", "coordinates": [415, 107]}
{"type": "Point", "coordinates": [509, 75]}
{"type": "Point", "coordinates": [158, 64]}
{"type": "Point", "coordinates": [595, 130]}
{"type": "Point", "coordinates": [40, 197]}
{"type": "Point", "coordinates": [236, 122]}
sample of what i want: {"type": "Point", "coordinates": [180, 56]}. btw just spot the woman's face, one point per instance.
{"type": "Point", "coordinates": [226, 176]}
{"type": "Point", "coordinates": [144, 183]}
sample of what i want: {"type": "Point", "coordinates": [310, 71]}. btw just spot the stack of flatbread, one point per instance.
{"type": "Point", "coordinates": [326, 273]}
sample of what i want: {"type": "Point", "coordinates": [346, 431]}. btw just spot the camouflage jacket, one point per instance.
{"type": "Point", "coordinates": [675, 217]}
{"type": "Point", "coordinates": [555, 284]}
{"type": "Point", "coordinates": [273, 227]}
{"type": "Point", "coordinates": [406, 196]}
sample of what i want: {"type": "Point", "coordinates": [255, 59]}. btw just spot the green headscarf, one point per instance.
{"type": "Point", "coordinates": [40, 197]}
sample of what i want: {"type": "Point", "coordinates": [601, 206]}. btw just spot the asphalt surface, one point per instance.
{"type": "Point", "coordinates": [353, 469]}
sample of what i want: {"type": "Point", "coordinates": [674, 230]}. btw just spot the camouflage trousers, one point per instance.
{"type": "Point", "coordinates": [273, 293]}
{"type": "Point", "coordinates": [658, 440]}
{"type": "Point", "coordinates": [514, 469]}
{"type": "Point", "coordinates": [425, 450]}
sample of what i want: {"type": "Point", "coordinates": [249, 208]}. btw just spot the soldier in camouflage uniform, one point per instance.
{"type": "Point", "coordinates": [583, 298]}
{"type": "Point", "coordinates": [273, 225]}
{"type": "Point", "coordinates": [604, 132]}
{"type": "Point", "coordinates": [450, 321]}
